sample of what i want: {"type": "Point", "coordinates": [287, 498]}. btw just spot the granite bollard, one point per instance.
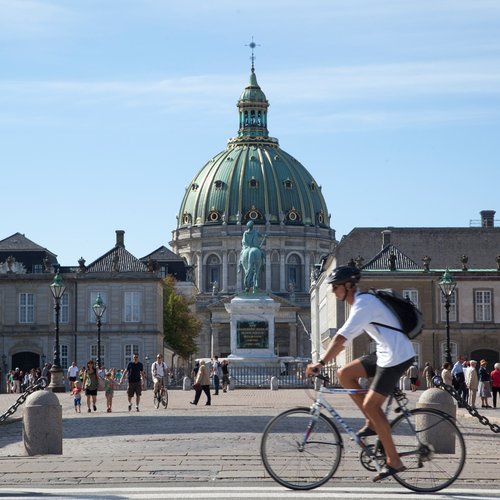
{"type": "Point", "coordinates": [42, 424]}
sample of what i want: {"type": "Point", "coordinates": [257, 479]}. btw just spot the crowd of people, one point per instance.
{"type": "Point", "coordinates": [470, 379]}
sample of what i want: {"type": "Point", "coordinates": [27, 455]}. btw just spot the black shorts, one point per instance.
{"type": "Point", "coordinates": [384, 379]}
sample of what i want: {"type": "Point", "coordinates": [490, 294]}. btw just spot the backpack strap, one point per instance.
{"type": "Point", "coordinates": [387, 326]}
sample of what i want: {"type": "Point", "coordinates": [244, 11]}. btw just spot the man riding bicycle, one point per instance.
{"type": "Point", "coordinates": [159, 369]}
{"type": "Point", "coordinates": [393, 356]}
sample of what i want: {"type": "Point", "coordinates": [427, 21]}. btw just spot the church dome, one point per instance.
{"type": "Point", "coordinates": [253, 178]}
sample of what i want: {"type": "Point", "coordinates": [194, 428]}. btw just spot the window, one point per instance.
{"type": "Point", "coordinates": [482, 301]}
{"type": "Point", "coordinates": [412, 295]}
{"type": "Point", "coordinates": [453, 351]}
{"type": "Point", "coordinates": [63, 311]}
{"type": "Point", "coordinates": [93, 297]}
{"type": "Point", "coordinates": [416, 348]}
{"type": "Point", "coordinates": [453, 306]}
{"type": "Point", "coordinates": [93, 354]}
{"type": "Point", "coordinates": [294, 272]}
{"type": "Point", "coordinates": [63, 355]}
{"type": "Point", "coordinates": [26, 308]}
{"type": "Point", "coordinates": [37, 269]}
{"type": "Point", "coordinates": [164, 270]}
{"type": "Point", "coordinates": [132, 307]}
{"type": "Point", "coordinates": [129, 352]}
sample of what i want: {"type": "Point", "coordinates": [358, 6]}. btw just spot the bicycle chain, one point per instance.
{"type": "Point", "coordinates": [41, 383]}
{"type": "Point", "coordinates": [438, 382]}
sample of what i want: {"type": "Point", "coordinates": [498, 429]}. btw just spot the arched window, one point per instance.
{"type": "Point", "coordinates": [453, 351]}
{"type": "Point", "coordinates": [294, 272]}
{"type": "Point", "coordinates": [212, 272]}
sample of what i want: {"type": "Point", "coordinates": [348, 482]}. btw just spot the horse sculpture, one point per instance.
{"type": "Point", "coordinates": [251, 260]}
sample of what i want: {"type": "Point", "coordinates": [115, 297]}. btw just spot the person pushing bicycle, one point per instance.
{"type": "Point", "coordinates": [159, 370]}
{"type": "Point", "coordinates": [394, 355]}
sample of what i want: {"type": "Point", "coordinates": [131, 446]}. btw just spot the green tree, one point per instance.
{"type": "Point", "coordinates": [180, 325]}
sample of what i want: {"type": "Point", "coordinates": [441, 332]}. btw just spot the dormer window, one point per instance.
{"type": "Point", "coordinates": [253, 183]}
{"type": "Point", "coordinates": [194, 187]}
{"type": "Point", "coordinates": [187, 218]}
{"type": "Point", "coordinates": [254, 214]}
{"type": "Point", "coordinates": [321, 217]}
{"type": "Point", "coordinates": [313, 186]}
{"type": "Point", "coordinates": [288, 184]}
{"type": "Point", "coordinates": [218, 184]}
{"type": "Point", "coordinates": [213, 216]}
{"type": "Point", "coordinates": [293, 215]}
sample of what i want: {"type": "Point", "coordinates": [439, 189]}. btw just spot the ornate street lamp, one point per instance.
{"type": "Point", "coordinates": [447, 286]}
{"type": "Point", "coordinates": [56, 372]}
{"type": "Point", "coordinates": [99, 309]}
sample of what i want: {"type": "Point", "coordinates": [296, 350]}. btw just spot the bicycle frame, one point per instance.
{"type": "Point", "coordinates": [322, 403]}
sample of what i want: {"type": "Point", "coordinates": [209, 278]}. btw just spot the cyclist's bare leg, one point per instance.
{"type": "Point", "coordinates": [349, 376]}
{"type": "Point", "coordinates": [372, 408]}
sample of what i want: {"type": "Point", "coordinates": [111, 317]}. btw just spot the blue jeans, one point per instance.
{"type": "Point", "coordinates": [216, 384]}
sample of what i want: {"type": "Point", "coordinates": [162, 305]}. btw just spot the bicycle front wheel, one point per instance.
{"type": "Point", "coordinates": [301, 451]}
{"type": "Point", "coordinates": [164, 398]}
{"type": "Point", "coordinates": [431, 447]}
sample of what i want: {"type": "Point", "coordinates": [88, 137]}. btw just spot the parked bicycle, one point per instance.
{"type": "Point", "coordinates": [302, 448]}
{"type": "Point", "coordinates": [160, 396]}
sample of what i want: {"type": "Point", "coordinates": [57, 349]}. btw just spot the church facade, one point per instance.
{"type": "Point", "coordinates": [253, 179]}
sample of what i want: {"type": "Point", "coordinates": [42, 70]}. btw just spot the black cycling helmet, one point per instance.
{"type": "Point", "coordinates": [344, 274]}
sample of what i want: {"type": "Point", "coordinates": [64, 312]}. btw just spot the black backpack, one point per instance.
{"type": "Point", "coordinates": [411, 319]}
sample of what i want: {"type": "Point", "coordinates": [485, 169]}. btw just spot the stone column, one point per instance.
{"type": "Point", "coordinates": [292, 350]}
{"type": "Point", "coordinates": [224, 271]}
{"type": "Point", "coordinates": [282, 273]}
{"type": "Point", "coordinates": [199, 271]}
{"type": "Point", "coordinates": [307, 272]}
{"type": "Point", "coordinates": [268, 272]}
{"type": "Point", "coordinates": [214, 348]}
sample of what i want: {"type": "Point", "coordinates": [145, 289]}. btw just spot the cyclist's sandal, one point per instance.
{"type": "Point", "coordinates": [388, 471]}
{"type": "Point", "coordinates": [365, 432]}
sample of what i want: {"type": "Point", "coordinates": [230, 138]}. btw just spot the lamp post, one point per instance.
{"type": "Point", "coordinates": [447, 286]}
{"type": "Point", "coordinates": [99, 309]}
{"type": "Point", "coordinates": [56, 372]}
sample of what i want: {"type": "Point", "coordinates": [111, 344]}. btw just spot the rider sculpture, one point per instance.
{"type": "Point", "coordinates": [251, 256]}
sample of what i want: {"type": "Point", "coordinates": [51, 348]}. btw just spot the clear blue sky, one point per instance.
{"type": "Point", "coordinates": [109, 108]}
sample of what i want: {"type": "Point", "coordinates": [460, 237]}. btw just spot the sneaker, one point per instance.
{"type": "Point", "coordinates": [95, 408]}
{"type": "Point", "coordinates": [89, 410]}
{"type": "Point", "coordinates": [137, 408]}
{"type": "Point", "coordinates": [129, 407]}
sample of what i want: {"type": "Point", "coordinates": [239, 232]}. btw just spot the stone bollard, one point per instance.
{"type": "Point", "coordinates": [436, 435]}
{"type": "Point", "coordinates": [42, 424]}
{"type": "Point", "coordinates": [274, 383]}
{"type": "Point", "coordinates": [186, 384]}
{"type": "Point", "coordinates": [404, 383]}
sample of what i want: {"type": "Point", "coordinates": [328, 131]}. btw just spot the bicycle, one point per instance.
{"type": "Point", "coordinates": [162, 395]}
{"type": "Point", "coordinates": [301, 448]}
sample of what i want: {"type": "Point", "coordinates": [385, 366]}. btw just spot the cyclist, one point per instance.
{"type": "Point", "coordinates": [394, 355]}
{"type": "Point", "coordinates": [158, 370]}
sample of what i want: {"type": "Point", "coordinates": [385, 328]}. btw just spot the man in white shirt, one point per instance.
{"type": "Point", "coordinates": [72, 373]}
{"type": "Point", "coordinates": [394, 355]}
{"type": "Point", "coordinates": [159, 370]}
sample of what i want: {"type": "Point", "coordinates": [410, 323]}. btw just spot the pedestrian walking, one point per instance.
{"type": "Point", "coordinates": [428, 374]}
{"type": "Point", "coordinates": [458, 374]}
{"type": "Point", "coordinates": [225, 375]}
{"type": "Point", "coordinates": [109, 389]}
{"type": "Point", "coordinates": [495, 383]}
{"type": "Point", "coordinates": [202, 383]}
{"type": "Point", "coordinates": [136, 380]}
{"type": "Point", "coordinates": [91, 384]}
{"type": "Point", "coordinates": [472, 382]}
{"type": "Point", "coordinates": [412, 374]}
{"type": "Point", "coordinates": [446, 373]}
{"type": "Point", "coordinates": [76, 392]}
{"type": "Point", "coordinates": [72, 374]}
{"type": "Point", "coordinates": [484, 384]}
{"type": "Point", "coordinates": [216, 374]}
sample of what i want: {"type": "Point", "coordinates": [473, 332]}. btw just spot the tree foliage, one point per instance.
{"type": "Point", "coordinates": [180, 325]}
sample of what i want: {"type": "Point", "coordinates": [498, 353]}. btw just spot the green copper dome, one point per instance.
{"type": "Point", "coordinates": [253, 178]}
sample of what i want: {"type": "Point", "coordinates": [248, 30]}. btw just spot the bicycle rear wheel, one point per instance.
{"type": "Point", "coordinates": [300, 451]}
{"type": "Point", "coordinates": [431, 447]}
{"type": "Point", "coordinates": [156, 399]}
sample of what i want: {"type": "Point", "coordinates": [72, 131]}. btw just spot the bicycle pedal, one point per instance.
{"type": "Point", "coordinates": [397, 410]}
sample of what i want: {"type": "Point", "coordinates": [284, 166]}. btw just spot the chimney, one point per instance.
{"type": "Point", "coordinates": [120, 238]}
{"type": "Point", "coordinates": [487, 218]}
{"type": "Point", "coordinates": [386, 238]}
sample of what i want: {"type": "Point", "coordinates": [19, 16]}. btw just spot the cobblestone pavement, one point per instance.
{"type": "Point", "coordinates": [196, 443]}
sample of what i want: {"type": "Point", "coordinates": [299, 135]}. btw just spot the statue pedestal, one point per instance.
{"type": "Point", "coordinates": [252, 327]}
